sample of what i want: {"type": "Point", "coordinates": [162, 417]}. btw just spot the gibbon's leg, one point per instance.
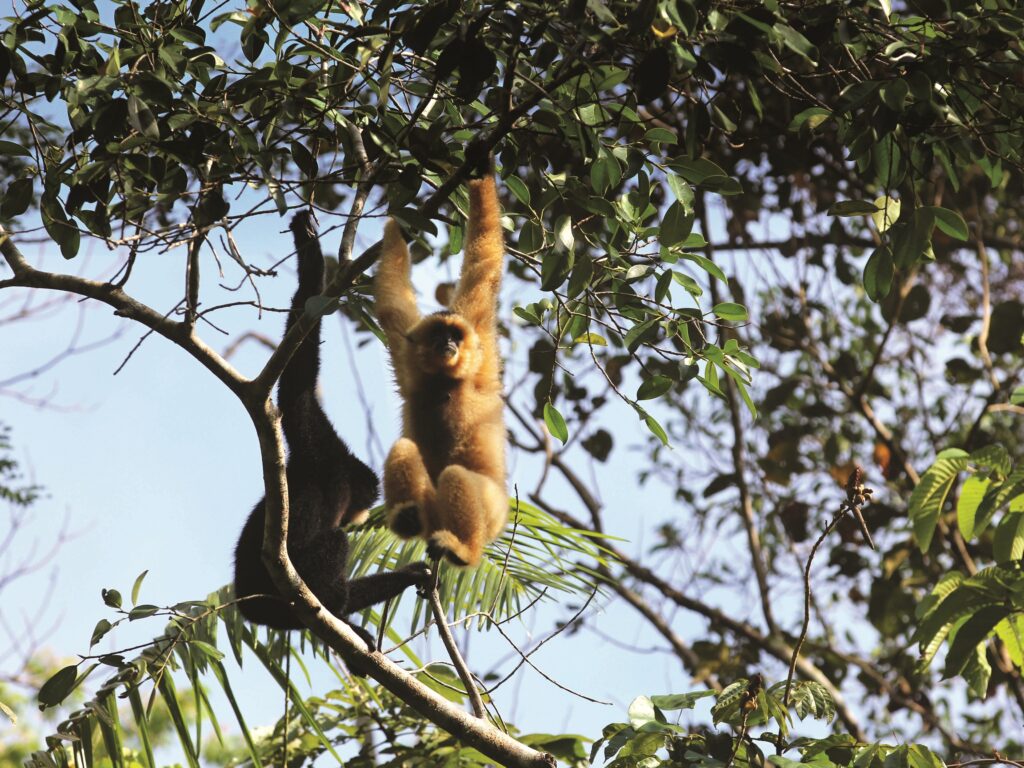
{"type": "Point", "coordinates": [376, 588]}
{"type": "Point", "coordinates": [408, 491]}
{"type": "Point", "coordinates": [470, 512]}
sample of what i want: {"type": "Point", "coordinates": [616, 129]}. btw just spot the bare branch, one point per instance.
{"type": "Point", "coordinates": [453, 650]}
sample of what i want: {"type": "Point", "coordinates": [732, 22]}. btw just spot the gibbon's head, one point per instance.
{"type": "Point", "coordinates": [444, 343]}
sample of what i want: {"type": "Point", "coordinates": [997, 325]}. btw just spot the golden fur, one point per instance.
{"type": "Point", "coordinates": [444, 479]}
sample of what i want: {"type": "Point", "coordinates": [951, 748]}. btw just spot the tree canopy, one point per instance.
{"type": "Point", "coordinates": [782, 237]}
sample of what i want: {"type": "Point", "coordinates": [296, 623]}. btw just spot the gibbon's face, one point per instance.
{"type": "Point", "coordinates": [443, 343]}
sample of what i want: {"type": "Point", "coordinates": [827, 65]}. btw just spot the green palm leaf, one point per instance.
{"type": "Point", "coordinates": [535, 558]}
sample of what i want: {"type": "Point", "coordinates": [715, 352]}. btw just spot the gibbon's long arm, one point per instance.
{"type": "Point", "coordinates": [392, 287]}
{"type": "Point", "coordinates": [476, 297]}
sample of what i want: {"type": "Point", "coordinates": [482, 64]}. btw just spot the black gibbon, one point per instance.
{"type": "Point", "coordinates": [328, 487]}
{"type": "Point", "coordinates": [444, 479]}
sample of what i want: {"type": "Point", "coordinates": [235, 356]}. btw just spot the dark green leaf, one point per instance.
{"type": "Point", "coordinates": [59, 686]}
{"type": "Point", "coordinates": [656, 386]}
{"type": "Point", "coordinates": [676, 225]}
{"type": "Point", "coordinates": [12, 148]}
{"type": "Point", "coordinates": [17, 198]}
{"type": "Point", "coordinates": [878, 274]}
{"type": "Point", "coordinates": [102, 627]}
{"type": "Point", "coordinates": [142, 118]}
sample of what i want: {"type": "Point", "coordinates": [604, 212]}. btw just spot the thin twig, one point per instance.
{"type": "Point", "coordinates": [856, 496]}
{"type": "Point", "coordinates": [453, 651]}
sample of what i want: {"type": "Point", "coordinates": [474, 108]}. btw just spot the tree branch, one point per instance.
{"type": "Point", "coordinates": [453, 650]}
{"type": "Point", "coordinates": [739, 459]}
{"type": "Point", "coordinates": [26, 276]}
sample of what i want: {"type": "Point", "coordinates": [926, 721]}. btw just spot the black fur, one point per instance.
{"type": "Point", "coordinates": [327, 485]}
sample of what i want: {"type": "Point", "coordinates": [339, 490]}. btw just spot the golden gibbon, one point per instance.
{"type": "Point", "coordinates": [444, 479]}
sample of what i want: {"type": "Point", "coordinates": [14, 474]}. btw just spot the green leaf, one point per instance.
{"type": "Point", "coordinates": [656, 429]}
{"type": "Point", "coordinates": [102, 627]}
{"type": "Point", "coordinates": [526, 314]}
{"type": "Point", "coordinates": [555, 423]}
{"type": "Point", "coordinates": [661, 136]}
{"type": "Point", "coordinates": [971, 494]}
{"type": "Point", "coordinates": [519, 189]}
{"type": "Point", "coordinates": [680, 700]}
{"type": "Point", "coordinates": [998, 495]}
{"type": "Point", "coordinates": [1008, 538]}
{"type": "Point", "coordinates": [642, 711]}
{"type": "Point", "coordinates": [930, 494]}
{"type": "Point", "coordinates": [853, 208]}
{"type": "Point", "coordinates": [682, 190]}
{"type": "Point", "coordinates": [1011, 632]}
{"type": "Point", "coordinates": [811, 118]}
{"type": "Point", "coordinates": [137, 586]}
{"type": "Point", "coordinates": [977, 673]}
{"type": "Point", "coordinates": [888, 211]}
{"type": "Point", "coordinates": [894, 94]}
{"type": "Point", "coordinates": [879, 273]}
{"type": "Point", "coordinates": [796, 42]}
{"type": "Point", "coordinates": [950, 222]}
{"type": "Point", "coordinates": [1017, 396]}
{"type": "Point", "coordinates": [972, 633]}
{"type": "Point", "coordinates": [730, 311]}
{"type": "Point", "coordinates": [676, 225]}
{"type": "Point", "coordinates": [654, 387]}
{"type": "Point", "coordinates": [142, 612]}
{"type": "Point", "coordinates": [142, 724]}
{"type": "Point", "coordinates": [919, 756]}
{"type": "Point", "coordinates": [707, 265]}
{"type": "Point", "coordinates": [17, 198]}
{"type": "Point", "coordinates": [58, 686]}
{"type": "Point", "coordinates": [634, 335]}
{"type": "Point", "coordinates": [13, 148]}
{"type": "Point", "coordinates": [111, 597]}
{"type": "Point", "coordinates": [142, 118]}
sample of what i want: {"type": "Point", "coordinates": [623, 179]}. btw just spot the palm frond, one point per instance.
{"type": "Point", "coordinates": [535, 558]}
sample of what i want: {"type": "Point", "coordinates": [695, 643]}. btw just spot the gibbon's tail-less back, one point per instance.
{"type": "Point", "coordinates": [444, 480]}
{"type": "Point", "coordinates": [327, 486]}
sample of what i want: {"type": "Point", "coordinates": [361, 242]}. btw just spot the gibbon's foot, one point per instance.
{"type": "Point", "coordinates": [356, 518]}
{"type": "Point", "coordinates": [424, 577]}
{"type": "Point", "coordinates": [405, 520]}
{"type": "Point", "coordinates": [444, 544]}
{"type": "Point", "coordinates": [366, 637]}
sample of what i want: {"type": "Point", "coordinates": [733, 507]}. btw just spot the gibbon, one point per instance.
{"type": "Point", "coordinates": [327, 487]}
{"type": "Point", "coordinates": [444, 479]}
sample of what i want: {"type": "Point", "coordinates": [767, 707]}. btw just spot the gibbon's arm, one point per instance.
{"type": "Point", "coordinates": [476, 296]}
{"type": "Point", "coordinates": [392, 288]}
